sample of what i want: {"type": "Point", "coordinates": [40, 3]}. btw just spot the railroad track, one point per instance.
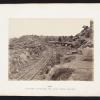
{"type": "Point", "coordinates": [31, 73]}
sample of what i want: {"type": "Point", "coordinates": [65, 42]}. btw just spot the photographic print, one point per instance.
{"type": "Point", "coordinates": [51, 49]}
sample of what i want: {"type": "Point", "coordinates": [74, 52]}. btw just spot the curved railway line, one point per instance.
{"type": "Point", "coordinates": [31, 73]}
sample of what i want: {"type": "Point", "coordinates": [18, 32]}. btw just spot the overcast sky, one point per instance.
{"type": "Point", "coordinates": [19, 27]}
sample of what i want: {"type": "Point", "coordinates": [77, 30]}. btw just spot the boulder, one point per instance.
{"type": "Point", "coordinates": [59, 73]}
{"type": "Point", "coordinates": [87, 54]}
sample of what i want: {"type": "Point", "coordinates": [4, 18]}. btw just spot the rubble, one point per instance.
{"type": "Point", "coordinates": [26, 51]}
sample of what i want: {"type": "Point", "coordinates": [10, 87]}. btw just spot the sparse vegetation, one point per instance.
{"type": "Point", "coordinates": [33, 57]}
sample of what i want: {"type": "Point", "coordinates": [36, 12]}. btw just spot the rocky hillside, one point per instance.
{"type": "Point", "coordinates": [26, 51]}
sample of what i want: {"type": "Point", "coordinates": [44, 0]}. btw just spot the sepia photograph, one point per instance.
{"type": "Point", "coordinates": [51, 49]}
